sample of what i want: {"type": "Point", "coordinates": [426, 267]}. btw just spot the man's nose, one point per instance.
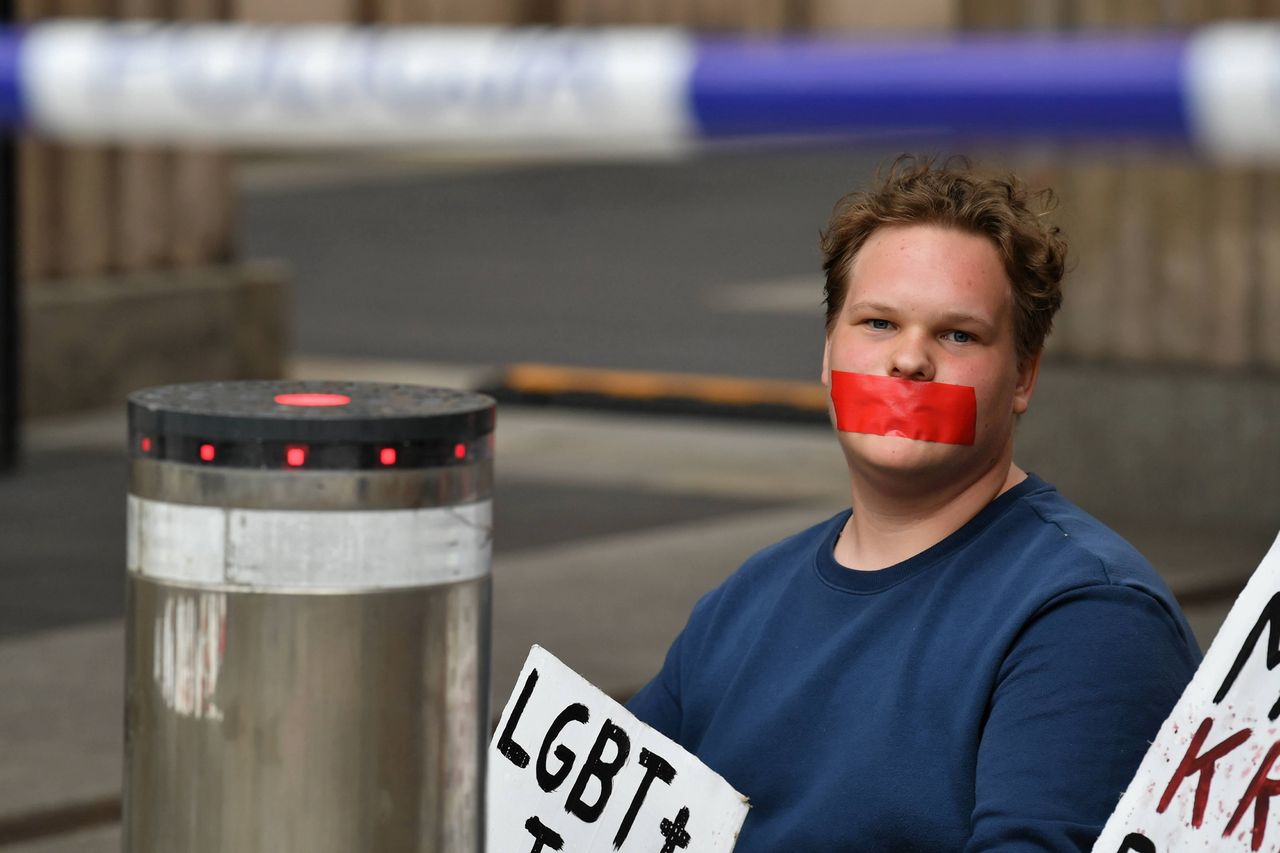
{"type": "Point", "coordinates": [911, 359]}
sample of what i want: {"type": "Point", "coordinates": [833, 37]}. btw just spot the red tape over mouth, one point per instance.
{"type": "Point", "coordinates": [886, 405]}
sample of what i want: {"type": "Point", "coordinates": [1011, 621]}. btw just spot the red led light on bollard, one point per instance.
{"type": "Point", "coordinates": [459, 451]}
{"type": "Point", "coordinates": [312, 399]}
{"type": "Point", "coordinates": [387, 456]}
{"type": "Point", "coordinates": [295, 456]}
{"type": "Point", "coordinates": [207, 452]}
{"type": "Point", "coordinates": [145, 444]}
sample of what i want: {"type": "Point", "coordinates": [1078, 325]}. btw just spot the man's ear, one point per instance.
{"type": "Point", "coordinates": [1028, 372]}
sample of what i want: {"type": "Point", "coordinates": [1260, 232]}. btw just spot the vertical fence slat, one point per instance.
{"type": "Point", "coordinates": [1132, 327]}
{"type": "Point", "coordinates": [992, 14]}
{"type": "Point", "coordinates": [1088, 216]}
{"type": "Point", "coordinates": [762, 16]}
{"type": "Point", "coordinates": [1140, 15]}
{"type": "Point", "coordinates": [1184, 195]}
{"type": "Point", "coordinates": [691, 14]}
{"type": "Point", "coordinates": [35, 178]}
{"type": "Point", "coordinates": [1234, 230]}
{"type": "Point", "coordinates": [571, 12]}
{"type": "Point", "coordinates": [295, 11]}
{"type": "Point", "coordinates": [35, 209]}
{"type": "Point", "coordinates": [82, 188]}
{"type": "Point", "coordinates": [142, 215]}
{"type": "Point", "coordinates": [82, 199]}
{"type": "Point", "coordinates": [1267, 248]}
{"type": "Point", "coordinates": [1232, 268]}
{"type": "Point", "coordinates": [1088, 195]}
{"type": "Point", "coordinates": [917, 15]}
{"type": "Point", "coordinates": [1043, 166]}
{"type": "Point", "coordinates": [201, 207]}
{"type": "Point", "coordinates": [141, 219]}
{"type": "Point", "coordinates": [1180, 194]}
{"type": "Point", "coordinates": [201, 182]}
{"type": "Point", "coordinates": [398, 11]}
{"type": "Point", "coordinates": [1268, 321]}
{"type": "Point", "coordinates": [472, 12]}
{"type": "Point", "coordinates": [446, 12]}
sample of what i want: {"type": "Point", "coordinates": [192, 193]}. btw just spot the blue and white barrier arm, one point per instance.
{"type": "Point", "coordinates": [1216, 89]}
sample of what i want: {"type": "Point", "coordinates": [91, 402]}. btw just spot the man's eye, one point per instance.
{"type": "Point", "coordinates": [959, 337]}
{"type": "Point", "coordinates": [880, 325]}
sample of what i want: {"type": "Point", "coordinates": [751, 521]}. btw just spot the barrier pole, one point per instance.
{"type": "Point", "coordinates": [307, 618]}
{"type": "Point", "coordinates": [1210, 89]}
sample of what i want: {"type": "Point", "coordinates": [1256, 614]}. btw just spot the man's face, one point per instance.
{"type": "Point", "coordinates": [928, 303]}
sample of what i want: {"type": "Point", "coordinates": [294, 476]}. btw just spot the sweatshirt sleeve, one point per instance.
{"type": "Point", "coordinates": [1082, 693]}
{"type": "Point", "coordinates": [658, 703]}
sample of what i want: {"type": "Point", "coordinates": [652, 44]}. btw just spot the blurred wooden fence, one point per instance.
{"type": "Point", "coordinates": [89, 210]}
{"type": "Point", "coordinates": [1175, 262]}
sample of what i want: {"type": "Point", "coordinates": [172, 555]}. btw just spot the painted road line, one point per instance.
{"type": "Point", "coordinates": [554, 383]}
{"type": "Point", "coordinates": [590, 388]}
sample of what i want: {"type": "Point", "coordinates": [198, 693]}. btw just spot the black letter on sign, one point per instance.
{"type": "Point", "coordinates": [542, 835]}
{"type": "Point", "coordinates": [550, 781]}
{"type": "Point", "coordinates": [654, 767]}
{"type": "Point", "coordinates": [1270, 618]}
{"type": "Point", "coordinates": [602, 770]}
{"type": "Point", "coordinates": [1138, 843]}
{"type": "Point", "coordinates": [674, 831]}
{"type": "Point", "coordinates": [506, 745]}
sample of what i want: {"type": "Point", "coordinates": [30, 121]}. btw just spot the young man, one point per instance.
{"type": "Point", "coordinates": [963, 660]}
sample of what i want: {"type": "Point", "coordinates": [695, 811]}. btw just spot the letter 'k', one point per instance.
{"type": "Point", "coordinates": [1204, 764]}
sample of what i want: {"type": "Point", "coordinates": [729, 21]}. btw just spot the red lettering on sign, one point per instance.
{"type": "Point", "coordinates": [1203, 763]}
{"type": "Point", "coordinates": [1258, 795]}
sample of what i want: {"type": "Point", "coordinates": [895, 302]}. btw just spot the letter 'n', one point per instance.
{"type": "Point", "coordinates": [1269, 619]}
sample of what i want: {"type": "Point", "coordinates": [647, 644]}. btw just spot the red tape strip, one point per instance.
{"type": "Point", "coordinates": [886, 405]}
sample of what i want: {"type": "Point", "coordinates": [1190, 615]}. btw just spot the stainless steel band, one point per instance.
{"type": "Point", "coordinates": [247, 488]}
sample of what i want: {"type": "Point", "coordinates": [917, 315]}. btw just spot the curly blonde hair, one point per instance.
{"type": "Point", "coordinates": [917, 191]}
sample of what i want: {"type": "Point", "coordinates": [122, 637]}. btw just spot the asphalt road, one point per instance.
{"type": "Point", "coordinates": [706, 264]}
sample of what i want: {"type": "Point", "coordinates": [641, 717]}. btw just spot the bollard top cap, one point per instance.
{"type": "Point", "coordinates": [311, 424]}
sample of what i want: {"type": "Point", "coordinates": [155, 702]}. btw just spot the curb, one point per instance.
{"type": "Point", "coordinates": [660, 393]}
{"type": "Point", "coordinates": [59, 820]}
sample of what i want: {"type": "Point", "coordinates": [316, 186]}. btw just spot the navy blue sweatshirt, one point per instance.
{"type": "Point", "coordinates": [994, 692]}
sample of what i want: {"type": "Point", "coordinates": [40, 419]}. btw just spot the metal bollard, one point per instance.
{"type": "Point", "coordinates": [308, 618]}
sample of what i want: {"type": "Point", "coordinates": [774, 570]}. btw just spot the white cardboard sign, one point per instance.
{"type": "Point", "coordinates": [572, 770]}
{"type": "Point", "coordinates": [1207, 781]}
